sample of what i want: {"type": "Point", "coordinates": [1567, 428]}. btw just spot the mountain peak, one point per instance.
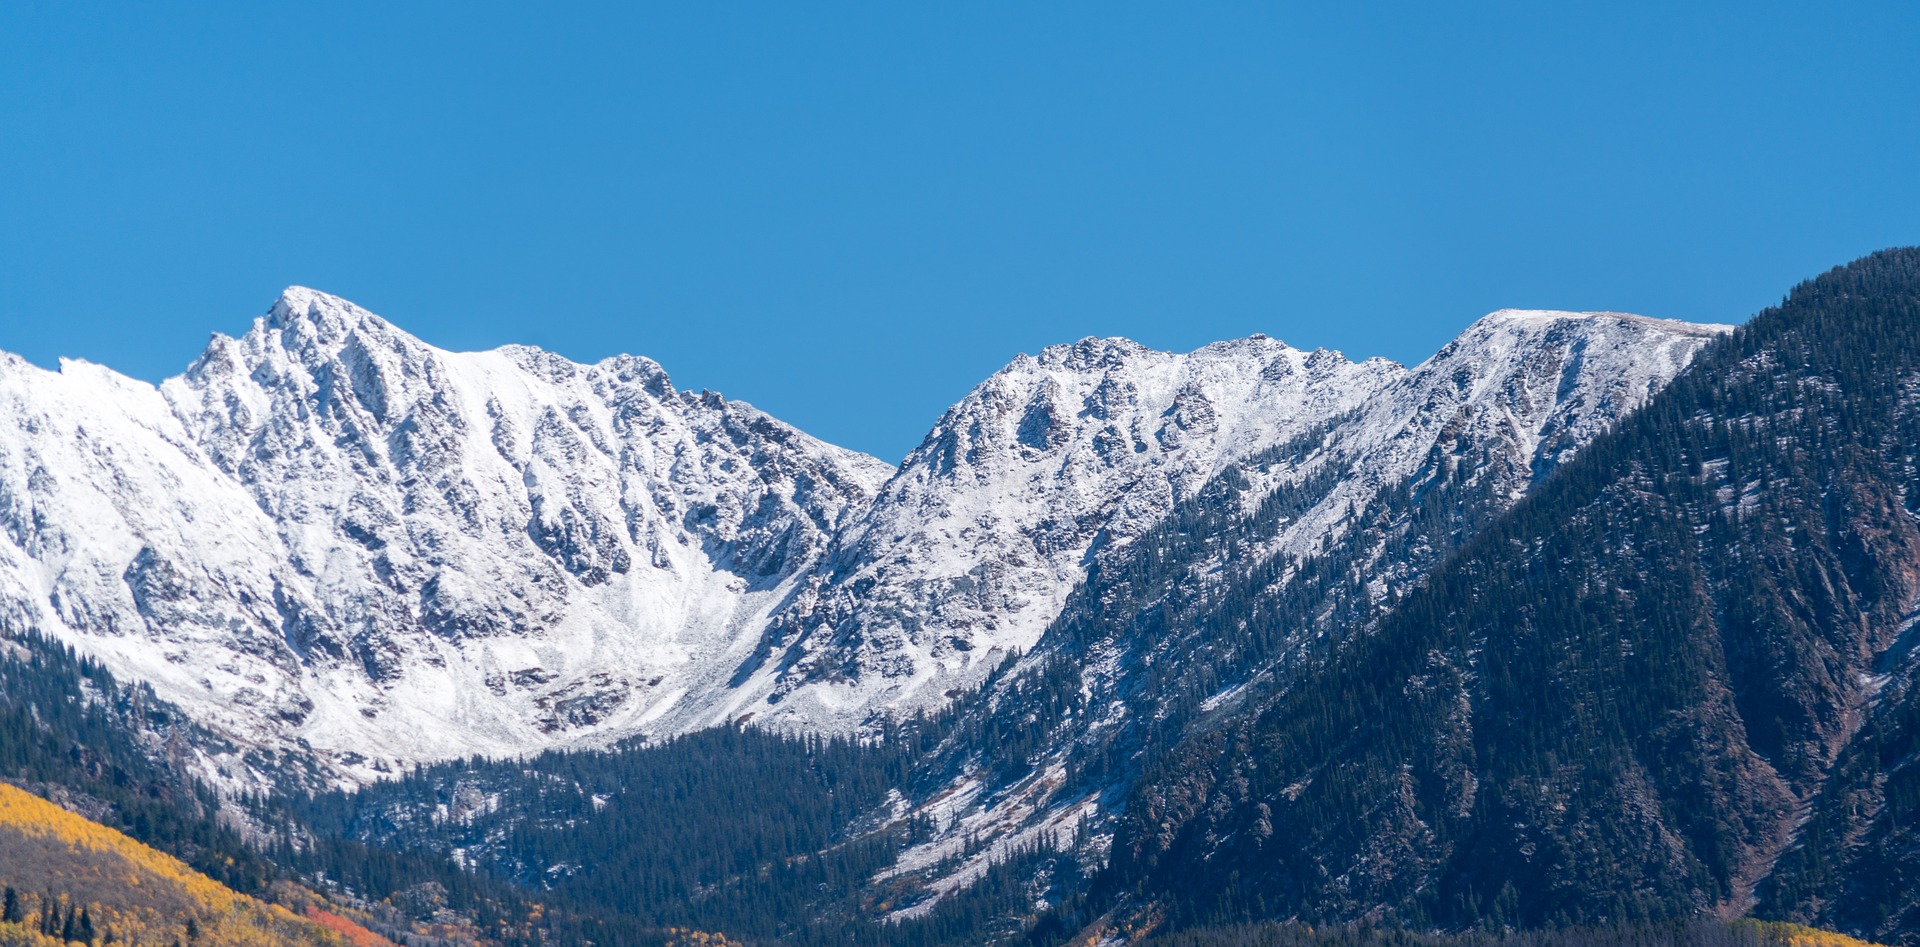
{"type": "Point", "coordinates": [1093, 352]}
{"type": "Point", "coordinates": [1534, 315]}
{"type": "Point", "coordinates": [1510, 334]}
{"type": "Point", "coordinates": [323, 317]}
{"type": "Point", "coordinates": [589, 554]}
{"type": "Point", "coordinates": [1526, 317]}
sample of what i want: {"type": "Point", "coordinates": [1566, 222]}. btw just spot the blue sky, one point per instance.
{"type": "Point", "coordinates": [849, 214]}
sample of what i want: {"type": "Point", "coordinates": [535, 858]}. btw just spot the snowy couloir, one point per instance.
{"type": "Point", "coordinates": [330, 539]}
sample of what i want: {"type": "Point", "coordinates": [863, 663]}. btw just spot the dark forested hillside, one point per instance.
{"type": "Point", "coordinates": [1678, 933]}
{"type": "Point", "coordinates": [120, 757]}
{"type": "Point", "coordinates": [1243, 584]}
{"type": "Point", "coordinates": [737, 826]}
{"type": "Point", "coordinates": [1677, 680]}
{"type": "Point", "coordinates": [1856, 863]}
{"type": "Point", "coordinates": [69, 731]}
{"type": "Point", "coordinates": [753, 833]}
{"type": "Point", "coordinates": [1619, 701]}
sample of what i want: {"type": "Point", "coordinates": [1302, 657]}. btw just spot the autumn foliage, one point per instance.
{"type": "Point", "coordinates": [62, 869]}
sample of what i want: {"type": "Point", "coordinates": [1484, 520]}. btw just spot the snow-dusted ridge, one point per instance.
{"type": "Point", "coordinates": [327, 533]}
{"type": "Point", "coordinates": [970, 551]}
{"type": "Point", "coordinates": [1374, 496]}
{"type": "Point", "coordinates": [332, 539]}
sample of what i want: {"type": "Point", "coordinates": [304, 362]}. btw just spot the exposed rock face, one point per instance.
{"type": "Point", "coordinates": [1676, 679]}
{"type": "Point", "coordinates": [972, 550]}
{"type": "Point", "coordinates": [1254, 573]}
{"type": "Point", "coordinates": [327, 534]}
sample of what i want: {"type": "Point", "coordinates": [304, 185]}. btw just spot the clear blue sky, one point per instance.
{"type": "Point", "coordinates": [848, 214]}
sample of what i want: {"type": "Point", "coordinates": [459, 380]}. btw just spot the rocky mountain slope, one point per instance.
{"type": "Point", "coordinates": [330, 539]}
{"type": "Point", "coordinates": [1259, 569]}
{"type": "Point", "coordinates": [1676, 679]}
{"type": "Point", "coordinates": [1589, 619]}
{"type": "Point", "coordinates": [1015, 786]}
{"type": "Point", "coordinates": [971, 552]}
{"type": "Point", "coordinates": [328, 533]}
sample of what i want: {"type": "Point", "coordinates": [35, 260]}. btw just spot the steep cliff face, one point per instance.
{"type": "Point", "coordinates": [327, 532]}
{"type": "Point", "coordinates": [1253, 573]}
{"type": "Point", "coordinates": [328, 536]}
{"type": "Point", "coordinates": [974, 548]}
{"type": "Point", "coordinates": [970, 551]}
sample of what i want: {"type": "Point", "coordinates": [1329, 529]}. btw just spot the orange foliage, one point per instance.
{"type": "Point", "coordinates": [129, 888]}
{"type": "Point", "coordinates": [355, 934]}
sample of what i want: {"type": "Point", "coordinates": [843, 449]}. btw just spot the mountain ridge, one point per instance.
{"type": "Point", "coordinates": [328, 537]}
{"type": "Point", "coordinates": [1657, 688]}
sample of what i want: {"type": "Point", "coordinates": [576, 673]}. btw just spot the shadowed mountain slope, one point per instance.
{"type": "Point", "coordinates": [1621, 700]}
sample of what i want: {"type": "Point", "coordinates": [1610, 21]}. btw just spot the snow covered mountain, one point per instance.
{"type": "Point", "coordinates": [971, 551]}
{"type": "Point", "coordinates": [330, 534]}
{"type": "Point", "coordinates": [1351, 483]}
{"type": "Point", "coordinates": [328, 538]}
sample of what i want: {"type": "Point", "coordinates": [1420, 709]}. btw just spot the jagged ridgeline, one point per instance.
{"type": "Point", "coordinates": [346, 549]}
{"type": "Point", "coordinates": [1453, 648]}
{"type": "Point", "coordinates": [1625, 699]}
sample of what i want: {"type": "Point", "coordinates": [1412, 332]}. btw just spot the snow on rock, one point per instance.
{"type": "Point", "coordinates": [329, 533]}
{"type": "Point", "coordinates": [1514, 396]}
{"type": "Point", "coordinates": [1471, 428]}
{"type": "Point", "coordinates": [329, 537]}
{"type": "Point", "coordinates": [971, 549]}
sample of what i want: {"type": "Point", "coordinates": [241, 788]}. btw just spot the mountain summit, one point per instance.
{"type": "Point", "coordinates": [970, 552]}
{"type": "Point", "coordinates": [328, 533]}
{"type": "Point", "coordinates": [330, 539]}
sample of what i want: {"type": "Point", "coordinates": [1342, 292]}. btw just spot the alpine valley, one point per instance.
{"type": "Point", "coordinates": [1589, 623]}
